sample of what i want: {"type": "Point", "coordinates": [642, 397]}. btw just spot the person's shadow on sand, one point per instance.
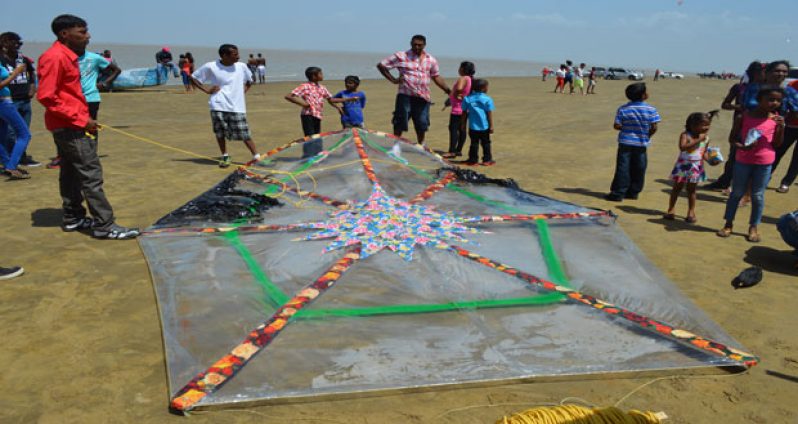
{"type": "Point", "coordinates": [47, 217]}
{"type": "Point", "coordinates": [772, 260]}
{"type": "Point", "coordinates": [582, 191]}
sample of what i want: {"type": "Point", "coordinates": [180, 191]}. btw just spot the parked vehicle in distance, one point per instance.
{"type": "Point", "coordinates": [600, 72]}
{"type": "Point", "coordinates": [792, 75]}
{"type": "Point", "coordinates": [623, 73]}
{"type": "Point", "coordinates": [671, 75]}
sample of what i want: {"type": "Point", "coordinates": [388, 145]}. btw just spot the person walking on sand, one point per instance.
{"type": "Point", "coordinates": [230, 80]}
{"type": "Point", "coordinates": [67, 117]}
{"type": "Point", "coordinates": [416, 68]}
{"type": "Point", "coordinates": [261, 68]}
{"type": "Point", "coordinates": [10, 118]}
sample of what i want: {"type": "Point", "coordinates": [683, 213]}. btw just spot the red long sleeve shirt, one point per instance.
{"type": "Point", "coordinates": [59, 89]}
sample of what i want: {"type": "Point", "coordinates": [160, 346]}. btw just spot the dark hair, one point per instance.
{"type": "Point", "coordinates": [568, 62]}
{"type": "Point", "coordinates": [182, 56]}
{"type": "Point", "coordinates": [582, 64]}
{"type": "Point", "coordinates": [562, 66]}
{"type": "Point", "coordinates": [9, 36]}
{"type": "Point", "coordinates": [753, 68]}
{"type": "Point", "coordinates": [480, 84]}
{"type": "Point", "coordinates": [419, 37]}
{"type": "Point", "coordinates": [352, 78]}
{"type": "Point", "coordinates": [636, 91]}
{"type": "Point", "coordinates": [768, 89]}
{"type": "Point", "coordinates": [697, 117]}
{"type": "Point", "coordinates": [62, 22]}
{"type": "Point", "coordinates": [225, 49]}
{"type": "Point", "coordinates": [772, 65]}
{"type": "Point", "coordinates": [311, 72]}
{"type": "Point", "coordinates": [468, 68]}
{"type": "Point", "coordinates": [190, 57]}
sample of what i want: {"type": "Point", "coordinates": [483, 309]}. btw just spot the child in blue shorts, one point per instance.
{"type": "Point", "coordinates": [637, 122]}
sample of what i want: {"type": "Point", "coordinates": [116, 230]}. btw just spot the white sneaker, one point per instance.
{"type": "Point", "coordinates": [396, 150]}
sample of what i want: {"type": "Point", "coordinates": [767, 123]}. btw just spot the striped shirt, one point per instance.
{"type": "Point", "coordinates": [635, 119]}
{"type": "Point", "coordinates": [415, 72]}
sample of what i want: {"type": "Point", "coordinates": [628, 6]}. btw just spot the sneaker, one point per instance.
{"type": "Point", "coordinates": [489, 163]}
{"type": "Point", "coordinates": [613, 198]}
{"type": "Point", "coordinates": [81, 224]}
{"type": "Point", "coordinates": [17, 174]}
{"type": "Point", "coordinates": [54, 164]}
{"type": "Point", "coordinates": [28, 160]}
{"type": "Point", "coordinates": [783, 188]}
{"type": "Point", "coordinates": [116, 232]}
{"type": "Point", "coordinates": [9, 273]}
{"type": "Point", "coordinates": [225, 161]}
{"type": "Point", "coordinates": [631, 196]}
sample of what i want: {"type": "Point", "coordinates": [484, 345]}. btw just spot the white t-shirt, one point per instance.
{"type": "Point", "coordinates": [230, 79]}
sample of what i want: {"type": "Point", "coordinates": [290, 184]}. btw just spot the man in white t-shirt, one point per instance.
{"type": "Point", "coordinates": [229, 81]}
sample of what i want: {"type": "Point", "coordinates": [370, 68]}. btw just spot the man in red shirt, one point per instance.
{"type": "Point", "coordinates": [67, 117]}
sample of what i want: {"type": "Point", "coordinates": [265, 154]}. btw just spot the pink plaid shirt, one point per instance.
{"type": "Point", "coordinates": [314, 94]}
{"type": "Point", "coordinates": [415, 72]}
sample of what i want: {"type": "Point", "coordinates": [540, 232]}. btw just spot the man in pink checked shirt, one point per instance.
{"type": "Point", "coordinates": [416, 68]}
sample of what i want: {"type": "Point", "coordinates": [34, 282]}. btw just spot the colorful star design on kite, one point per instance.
{"type": "Point", "coordinates": [383, 221]}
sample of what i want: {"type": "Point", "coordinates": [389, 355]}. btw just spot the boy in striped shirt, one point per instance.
{"type": "Point", "coordinates": [637, 122]}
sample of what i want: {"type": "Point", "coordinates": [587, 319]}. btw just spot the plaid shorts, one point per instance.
{"type": "Point", "coordinates": [230, 125]}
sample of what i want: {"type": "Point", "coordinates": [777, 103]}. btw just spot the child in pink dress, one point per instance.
{"type": "Point", "coordinates": [689, 168]}
{"type": "Point", "coordinates": [461, 89]}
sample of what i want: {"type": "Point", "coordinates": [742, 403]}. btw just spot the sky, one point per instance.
{"type": "Point", "coordinates": [693, 35]}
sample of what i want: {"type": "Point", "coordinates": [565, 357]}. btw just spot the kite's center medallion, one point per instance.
{"type": "Point", "coordinates": [382, 221]}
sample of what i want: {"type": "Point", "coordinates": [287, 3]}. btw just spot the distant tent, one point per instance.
{"type": "Point", "coordinates": [356, 270]}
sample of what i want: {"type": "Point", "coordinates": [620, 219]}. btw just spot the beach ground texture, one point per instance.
{"type": "Point", "coordinates": [81, 334]}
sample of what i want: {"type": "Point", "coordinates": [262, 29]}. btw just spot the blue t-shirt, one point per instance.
{"type": "Point", "coordinates": [353, 111]}
{"type": "Point", "coordinates": [635, 119]}
{"type": "Point", "coordinates": [477, 105]}
{"type": "Point", "coordinates": [5, 91]}
{"type": "Point", "coordinates": [90, 66]}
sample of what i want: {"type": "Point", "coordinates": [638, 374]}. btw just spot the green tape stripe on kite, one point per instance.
{"type": "Point", "coordinates": [274, 295]}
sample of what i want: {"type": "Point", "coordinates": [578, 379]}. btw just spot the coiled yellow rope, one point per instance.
{"type": "Point", "coordinates": [576, 414]}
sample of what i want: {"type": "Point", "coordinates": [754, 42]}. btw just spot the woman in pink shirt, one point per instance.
{"type": "Point", "coordinates": [461, 89]}
{"type": "Point", "coordinates": [756, 136]}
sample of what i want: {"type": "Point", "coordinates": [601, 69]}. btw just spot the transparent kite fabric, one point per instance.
{"type": "Point", "coordinates": [410, 312]}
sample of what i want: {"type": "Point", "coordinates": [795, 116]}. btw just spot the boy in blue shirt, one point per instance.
{"type": "Point", "coordinates": [352, 112]}
{"type": "Point", "coordinates": [637, 122]}
{"type": "Point", "coordinates": [478, 111]}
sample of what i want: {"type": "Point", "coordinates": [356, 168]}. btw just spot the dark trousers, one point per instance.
{"type": "Point", "coordinates": [94, 109]}
{"type": "Point", "coordinates": [479, 138]}
{"type": "Point", "coordinates": [630, 171]}
{"type": "Point", "coordinates": [310, 126]}
{"type": "Point", "coordinates": [457, 135]}
{"type": "Point", "coordinates": [81, 178]}
{"type": "Point", "coordinates": [790, 136]}
{"type": "Point", "coordinates": [724, 181]}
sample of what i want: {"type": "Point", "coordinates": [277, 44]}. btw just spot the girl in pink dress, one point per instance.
{"type": "Point", "coordinates": [689, 168]}
{"type": "Point", "coordinates": [756, 136]}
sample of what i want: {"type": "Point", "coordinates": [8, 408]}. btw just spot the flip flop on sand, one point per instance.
{"type": "Point", "coordinates": [669, 216]}
{"type": "Point", "coordinates": [724, 232]}
{"type": "Point", "coordinates": [691, 220]}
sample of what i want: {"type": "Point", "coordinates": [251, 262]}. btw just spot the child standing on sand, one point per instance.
{"type": "Point", "coordinates": [310, 96]}
{"type": "Point", "coordinates": [756, 135]}
{"type": "Point", "coordinates": [560, 75]}
{"type": "Point", "coordinates": [352, 113]}
{"type": "Point", "coordinates": [478, 111]}
{"type": "Point", "coordinates": [461, 89]}
{"type": "Point", "coordinates": [636, 122]}
{"type": "Point", "coordinates": [689, 168]}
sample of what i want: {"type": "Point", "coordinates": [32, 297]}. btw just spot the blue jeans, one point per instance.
{"type": "Point", "coordinates": [788, 227]}
{"type": "Point", "coordinates": [410, 107]}
{"type": "Point", "coordinates": [630, 171]}
{"type": "Point", "coordinates": [24, 109]}
{"type": "Point", "coordinates": [758, 176]}
{"type": "Point", "coordinates": [9, 118]}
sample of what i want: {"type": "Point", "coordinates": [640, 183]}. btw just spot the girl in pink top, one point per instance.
{"type": "Point", "coordinates": [462, 88]}
{"type": "Point", "coordinates": [756, 135]}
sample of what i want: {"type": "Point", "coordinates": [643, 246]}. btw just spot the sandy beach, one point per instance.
{"type": "Point", "coordinates": [81, 333]}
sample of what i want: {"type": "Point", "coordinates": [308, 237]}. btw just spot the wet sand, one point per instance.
{"type": "Point", "coordinates": [80, 330]}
